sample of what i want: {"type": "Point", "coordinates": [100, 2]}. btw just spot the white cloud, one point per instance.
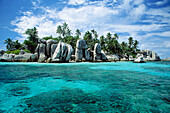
{"type": "Point", "coordinates": [77, 2]}
{"type": "Point", "coordinates": [164, 12]}
{"type": "Point", "coordinates": [161, 2]}
{"type": "Point", "coordinates": [167, 44]}
{"type": "Point", "coordinates": [137, 12]}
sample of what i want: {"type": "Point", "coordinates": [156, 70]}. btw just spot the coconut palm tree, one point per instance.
{"type": "Point", "coordinates": [9, 43]}
{"type": "Point", "coordinates": [94, 33]}
{"type": "Point", "coordinates": [33, 35]}
{"type": "Point", "coordinates": [116, 36]}
{"type": "Point", "coordinates": [78, 33]}
{"type": "Point", "coordinates": [109, 36]}
{"type": "Point", "coordinates": [102, 42]}
{"type": "Point", "coordinates": [59, 30]}
{"type": "Point", "coordinates": [130, 42]}
{"type": "Point", "coordinates": [68, 32]}
{"type": "Point", "coordinates": [65, 26]}
{"type": "Point", "coordinates": [135, 45]}
{"type": "Point", "coordinates": [17, 45]}
{"type": "Point", "coordinates": [32, 41]}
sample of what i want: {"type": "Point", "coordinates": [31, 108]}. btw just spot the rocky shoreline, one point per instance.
{"type": "Point", "coordinates": [51, 51]}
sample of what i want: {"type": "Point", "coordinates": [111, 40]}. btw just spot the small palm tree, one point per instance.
{"type": "Point", "coordinates": [130, 42]}
{"type": "Point", "coordinates": [78, 33]}
{"type": "Point", "coordinates": [17, 45]}
{"type": "Point", "coordinates": [135, 45]}
{"type": "Point", "coordinates": [32, 35]}
{"type": "Point", "coordinates": [116, 36]}
{"type": "Point", "coordinates": [59, 30]}
{"type": "Point", "coordinates": [94, 33]}
{"type": "Point", "coordinates": [109, 36]}
{"type": "Point", "coordinates": [9, 43]}
{"type": "Point", "coordinates": [68, 32]}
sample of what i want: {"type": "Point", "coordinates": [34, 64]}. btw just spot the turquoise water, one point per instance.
{"type": "Point", "coordinates": [85, 87]}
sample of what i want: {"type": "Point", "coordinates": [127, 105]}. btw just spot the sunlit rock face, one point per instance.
{"type": "Point", "coordinates": [49, 48]}
{"type": "Point", "coordinates": [27, 57]}
{"type": "Point", "coordinates": [42, 55]}
{"type": "Point", "coordinates": [7, 57]}
{"type": "Point", "coordinates": [50, 51]}
{"type": "Point", "coordinates": [86, 54]}
{"type": "Point", "coordinates": [98, 55]}
{"type": "Point", "coordinates": [81, 51]}
{"type": "Point", "coordinates": [139, 60]}
{"type": "Point", "coordinates": [148, 55]}
{"type": "Point", "coordinates": [53, 47]}
{"type": "Point", "coordinates": [97, 52]}
{"type": "Point", "coordinates": [62, 53]}
{"type": "Point", "coordinates": [113, 57]}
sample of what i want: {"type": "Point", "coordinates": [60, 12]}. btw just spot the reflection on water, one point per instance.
{"type": "Point", "coordinates": [85, 87]}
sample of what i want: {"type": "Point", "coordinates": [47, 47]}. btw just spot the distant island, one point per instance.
{"type": "Point", "coordinates": [68, 48]}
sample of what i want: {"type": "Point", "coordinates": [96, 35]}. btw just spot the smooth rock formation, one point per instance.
{"type": "Point", "coordinates": [22, 52]}
{"type": "Point", "coordinates": [124, 59]}
{"type": "Point", "coordinates": [139, 60]}
{"type": "Point", "coordinates": [53, 47]}
{"type": "Point", "coordinates": [22, 58]}
{"type": "Point", "coordinates": [97, 52]}
{"type": "Point", "coordinates": [25, 57]}
{"type": "Point", "coordinates": [103, 56]}
{"type": "Point", "coordinates": [7, 57]}
{"type": "Point", "coordinates": [62, 53]}
{"type": "Point", "coordinates": [42, 55]}
{"type": "Point", "coordinates": [149, 55]}
{"type": "Point", "coordinates": [48, 47]}
{"type": "Point", "coordinates": [81, 50]}
{"type": "Point", "coordinates": [131, 58]}
{"type": "Point", "coordinates": [112, 57]}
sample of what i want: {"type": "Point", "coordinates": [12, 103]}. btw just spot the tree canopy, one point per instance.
{"type": "Point", "coordinates": [109, 43]}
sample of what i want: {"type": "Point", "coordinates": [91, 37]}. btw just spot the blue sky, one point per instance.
{"type": "Point", "coordinates": [147, 21]}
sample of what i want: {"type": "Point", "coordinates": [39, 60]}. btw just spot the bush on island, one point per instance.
{"type": "Point", "coordinates": [16, 52]}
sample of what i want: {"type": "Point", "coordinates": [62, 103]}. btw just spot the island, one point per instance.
{"type": "Point", "coordinates": [68, 48]}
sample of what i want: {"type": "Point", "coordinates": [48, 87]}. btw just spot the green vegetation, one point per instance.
{"type": "Point", "coordinates": [109, 43]}
{"type": "Point", "coordinates": [12, 44]}
{"type": "Point", "coordinates": [16, 52]}
{"type": "Point", "coordinates": [32, 41]}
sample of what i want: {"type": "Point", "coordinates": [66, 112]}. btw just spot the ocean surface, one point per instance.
{"type": "Point", "coordinates": [115, 87]}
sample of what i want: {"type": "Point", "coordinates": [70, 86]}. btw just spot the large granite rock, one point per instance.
{"type": "Point", "coordinates": [42, 55]}
{"type": "Point", "coordinates": [25, 57]}
{"type": "Point", "coordinates": [48, 47]}
{"type": "Point", "coordinates": [131, 58]}
{"type": "Point", "coordinates": [139, 60]}
{"type": "Point", "coordinates": [149, 55]}
{"type": "Point", "coordinates": [53, 47]}
{"type": "Point", "coordinates": [22, 52]}
{"type": "Point", "coordinates": [81, 44]}
{"type": "Point", "coordinates": [103, 56]}
{"type": "Point", "coordinates": [22, 58]}
{"type": "Point", "coordinates": [7, 57]}
{"type": "Point", "coordinates": [97, 52]}
{"type": "Point", "coordinates": [81, 50]}
{"type": "Point", "coordinates": [62, 53]}
{"type": "Point", "coordinates": [112, 57]}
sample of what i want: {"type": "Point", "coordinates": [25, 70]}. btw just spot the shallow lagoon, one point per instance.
{"type": "Point", "coordinates": [85, 87]}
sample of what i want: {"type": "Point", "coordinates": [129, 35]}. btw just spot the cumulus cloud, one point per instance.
{"type": "Point", "coordinates": [77, 2]}
{"type": "Point", "coordinates": [167, 44]}
{"type": "Point", "coordinates": [161, 2]}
